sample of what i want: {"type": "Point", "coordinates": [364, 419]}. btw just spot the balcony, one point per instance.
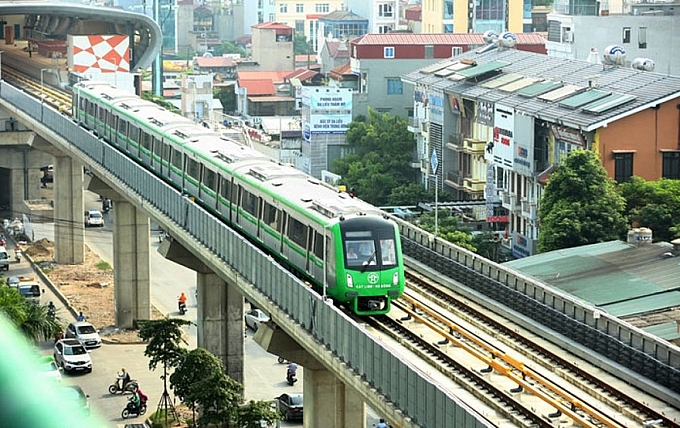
{"type": "Point", "coordinates": [473, 185]}
{"type": "Point", "coordinates": [414, 124]}
{"type": "Point", "coordinates": [509, 201]}
{"type": "Point", "coordinates": [529, 209]}
{"type": "Point", "coordinates": [473, 146]}
{"type": "Point", "coordinates": [455, 142]}
{"type": "Point", "coordinates": [454, 180]}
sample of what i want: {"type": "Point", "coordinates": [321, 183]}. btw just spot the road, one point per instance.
{"type": "Point", "coordinates": [264, 377]}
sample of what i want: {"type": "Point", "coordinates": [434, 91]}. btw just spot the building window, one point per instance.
{"type": "Point", "coordinates": [388, 52]}
{"type": "Point", "coordinates": [671, 165]}
{"type": "Point", "coordinates": [299, 26]}
{"type": "Point", "coordinates": [394, 86]}
{"type": "Point", "coordinates": [626, 34]}
{"type": "Point", "coordinates": [384, 29]}
{"type": "Point", "coordinates": [623, 167]}
{"type": "Point", "coordinates": [642, 38]}
{"type": "Point", "coordinates": [456, 50]}
{"type": "Point", "coordinates": [272, 17]}
{"type": "Point", "coordinates": [429, 51]}
{"type": "Point", "coordinates": [322, 8]}
{"type": "Point", "coordinates": [385, 10]}
{"type": "Point", "coordinates": [299, 8]}
{"type": "Point", "coordinates": [283, 8]}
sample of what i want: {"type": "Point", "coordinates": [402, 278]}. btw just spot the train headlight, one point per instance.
{"type": "Point", "coordinates": [350, 281]}
{"type": "Point", "coordinates": [395, 279]}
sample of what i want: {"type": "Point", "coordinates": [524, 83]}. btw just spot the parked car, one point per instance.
{"type": "Point", "coordinates": [13, 281]}
{"type": "Point", "coordinates": [4, 259]}
{"type": "Point", "coordinates": [290, 406]}
{"type": "Point", "coordinates": [254, 318]}
{"type": "Point", "coordinates": [70, 355]}
{"type": "Point", "coordinates": [75, 395]}
{"type": "Point", "coordinates": [49, 368]}
{"type": "Point", "coordinates": [85, 333]}
{"type": "Point", "coordinates": [94, 218]}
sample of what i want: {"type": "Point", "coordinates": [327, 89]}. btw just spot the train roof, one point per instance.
{"type": "Point", "coordinates": [104, 90]}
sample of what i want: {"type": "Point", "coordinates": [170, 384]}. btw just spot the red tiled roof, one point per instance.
{"type": "Point", "coordinates": [258, 86]}
{"type": "Point", "coordinates": [335, 49]}
{"type": "Point", "coordinates": [302, 74]}
{"type": "Point", "coordinates": [218, 61]}
{"type": "Point", "coordinates": [413, 13]}
{"type": "Point", "coordinates": [344, 69]}
{"type": "Point", "coordinates": [272, 25]}
{"type": "Point", "coordinates": [440, 39]}
{"type": "Point", "coordinates": [274, 76]}
{"type": "Point", "coordinates": [304, 57]}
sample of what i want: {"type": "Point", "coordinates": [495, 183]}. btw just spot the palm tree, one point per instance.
{"type": "Point", "coordinates": [33, 320]}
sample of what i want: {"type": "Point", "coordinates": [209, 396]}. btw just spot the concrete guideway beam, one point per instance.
{"type": "Point", "coordinates": [69, 229]}
{"type": "Point", "coordinates": [131, 264]}
{"type": "Point", "coordinates": [220, 310]}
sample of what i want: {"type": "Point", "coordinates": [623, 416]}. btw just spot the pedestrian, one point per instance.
{"type": "Point", "coordinates": [30, 50]}
{"type": "Point", "coordinates": [12, 123]}
{"type": "Point", "coordinates": [81, 317]}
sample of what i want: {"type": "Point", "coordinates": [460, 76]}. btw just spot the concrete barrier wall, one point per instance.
{"type": "Point", "coordinates": [417, 398]}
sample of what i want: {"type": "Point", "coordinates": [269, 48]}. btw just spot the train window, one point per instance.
{"type": "Point", "coordinates": [157, 147]}
{"type": "Point", "coordinates": [270, 216]}
{"type": "Point", "coordinates": [249, 203]}
{"type": "Point", "coordinates": [360, 252]}
{"type": "Point", "coordinates": [297, 232]}
{"type": "Point", "coordinates": [133, 134]}
{"type": "Point", "coordinates": [318, 245]}
{"type": "Point", "coordinates": [145, 140]}
{"type": "Point", "coordinates": [177, 159]}
{"type": "Point", "coordinates": [388, 252]}
{"type": "Point", "coordinates": [225, 188]}
{"type": "Point", "coordinates": [193, 169]}
{"type": "Point", "coordinates": [209, 179]}
{"type": "Point", "coordinates": [122, 127]}
{"type": "Point", "coordinates": [166, 152]}
{"type": "Point", "coordinates": [112, 121]}
{"type": "Point", "coordinates": [101, 113]}
{"type": "Point", "coordinates": [90, 109]}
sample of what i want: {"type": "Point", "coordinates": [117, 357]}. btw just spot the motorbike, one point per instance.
{"type": "Point", "coordinates": [106, 205]}
{"type": "Point", "coordinates": [282, 360]}
{"type": "Point", "coordinates": [182, 307]}
{"type": "Point", "coordinates": [18, 255]}
{"type": "Point", "coordinates": [132, 410]}
{"type": "Point", "coordinates": [131, 386]}
{"type": "Point", "coordinates": [291, 378]}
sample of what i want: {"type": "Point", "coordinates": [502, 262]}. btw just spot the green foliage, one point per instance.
{"type": "Point", "coordinates": [301, 45]}
{"type": "Point", "coordinates": [32, 319]}
{"type": "Point", "coordinates": [197, 364]}
{"type": "Point", "coordinates": [230, 48]}
{"type": "Point", "coordinates": [580, 205]}
{"type": "Point", "coordinates": [380, 160]}
{"type": "Point", "coordinates": [219, 400]}
{"type": "Point", "coordinates": [161, 102]}
{"type": "Point", "coordinates": [103, 265]}
{"type": "Point", "coordinates": [448, 228]}
{"type": "Point", "coordinates": [654, 204]}
{"type": "Point", "coordinates": [165, 341]}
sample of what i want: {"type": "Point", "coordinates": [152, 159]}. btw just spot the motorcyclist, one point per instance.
{"type": "Point", "coordinates": [382, 424]}
{"type": "Point", "coordinates": [51, 309]}
{"type": "Point", "coordinates": [124, 378]}
{"type": "Point", "coordinates": [182, 302]}
{"type": "Point", "coordinates": [183, 298]}
{"type": "Point", "coordinates": [136, 400]}
{"type": "Point", "coordinates": [290, 373]}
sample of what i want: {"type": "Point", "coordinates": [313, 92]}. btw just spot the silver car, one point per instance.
{"type": "Point", "coordinates": [69, 354]}
{"type": "Point", "coordinates": [85, 333]}
{"type": "Point", "coordinates": [254, 318]}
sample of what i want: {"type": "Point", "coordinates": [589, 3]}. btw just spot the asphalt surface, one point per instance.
{"type": "Point", "coordinates": [264, 376]}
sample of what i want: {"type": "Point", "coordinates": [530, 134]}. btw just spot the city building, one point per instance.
{"type": "Point", "coordinates": [449, 16]}
{"type": "Point", "coordinates": [500, 121]}
{"type": "Point", "coordinates": [380, 59]}
{"type": "Point", "coordinates": [341, 25]}
{"type": "Point", "coordinates": [333, 53]}
{"type": "Point", "coordinates": [264, 93]}
{"type": "Point", "coordinates": [273, 46]}
{"type": "Point", "coordinates": [303, 16]}
{"type": "Point", "coordinates": [644, 30]}
{"type": "Point", "coordinates": [413, 18]}
{"type": "Point", "coordinates": [222, 66]}
{"type": "Point", "coordinates": [383, 15]}
{"type": "Point", "coordinates": [197, 97]}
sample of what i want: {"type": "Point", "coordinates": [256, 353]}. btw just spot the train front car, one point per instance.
{"type": "Point", "coordinates": [370, 267]}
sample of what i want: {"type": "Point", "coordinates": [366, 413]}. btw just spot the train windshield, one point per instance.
{"type": "Point", "coordinates": [370, 249]}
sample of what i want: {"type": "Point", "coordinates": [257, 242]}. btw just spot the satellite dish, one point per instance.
{"type": "Point", "coordinates": [644, 64]}
{"type": "Point", "coordinates": [207, 55]}
{"type": "Point", "coordinates": [507, 40]}
{"type": "Point", "coordinates": [490, 36]}
{"type": "Point", "coordinates": [614, 55]}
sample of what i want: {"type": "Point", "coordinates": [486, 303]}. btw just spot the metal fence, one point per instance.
{"type": "Point", "coordinates": [416, 397]}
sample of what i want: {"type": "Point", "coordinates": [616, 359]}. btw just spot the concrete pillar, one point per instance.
{"type": "Point", "coordinates": [131, 264]}
{"type": "Point", "coordinates": [328, 403]}
{"type": "Point", "coordinates": [69, 233]}
{"type": "Point", "coordinates": [220, 322]}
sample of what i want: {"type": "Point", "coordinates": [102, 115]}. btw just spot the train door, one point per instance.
{"type": "Point", "coordinates": [284, 232]}
{"type": "Point", "coordinates": [259, 218]}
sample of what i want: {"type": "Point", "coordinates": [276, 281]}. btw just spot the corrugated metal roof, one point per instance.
{"type": "Point", "coordinates": [476, 39]}
{"type": "Point", "coordinates": [480, 69]}
{"type": "Point", "coordinates": [258, 86]}
{"type": "Point", "coordinates": [649, 88]}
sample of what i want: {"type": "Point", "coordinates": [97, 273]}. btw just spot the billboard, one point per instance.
{"type": "Point", "coordinates": [330, 110]}
{"type": "Point", "coordinates": [523, 160]}
{"type": "Point", "coordinates": [104, 53]}
{"type": "Point", "coordinates": [503, 135]}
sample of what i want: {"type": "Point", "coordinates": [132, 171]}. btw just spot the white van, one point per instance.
{"type": "Point", "coordinates": [4, 259]}
{"type": "Point", "coordinates": [30, 290]}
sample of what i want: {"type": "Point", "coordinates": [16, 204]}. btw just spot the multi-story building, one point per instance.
{"type": "Point", "coordinates": [380, 59]}
{"type": "Point", "coordinates": [303, 16]}
{"type": "Point", "coordinates": [501, 120]}
{"type": "Point", "coordinates": [273, 46]}
{"type": "Point", "coordinates": [333, 54]}
{"type": "Point", "coordinates": [449, 16]}
{"type": "Point", "coordinates": [644, 30]}
{"type": "Point", "coordinates": [383, 15]}
{"type": "Point", "coordinates": [341, 25]}
{"type": "Point", "coordinates": [257, 11]}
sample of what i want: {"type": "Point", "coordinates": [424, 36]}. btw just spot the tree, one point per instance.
{"type": "Point", "coordinates": [301, 45]}
{"type": "Point", "coordinates": [448, 228]}
{"type": "Point", "coordinates": [32, 319]}
{"type": "Point", "coordinates": [380, 158]}
{"type": "Point", "coordinates": [654, 204]}
{"type": "Point", "coordinates": [198, 364]}
{"type": "Point", "coordinates": [164, 346]}
{"type": "Point", "coordinates": [580, 205]}
{"type": "Point", "coordinates": [230, 48]}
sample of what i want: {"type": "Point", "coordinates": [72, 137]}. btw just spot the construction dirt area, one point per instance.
{"type": "Point", "coordinates": [88, 288]}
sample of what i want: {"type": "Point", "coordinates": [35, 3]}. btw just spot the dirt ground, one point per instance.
{"type": "Point", "coordinates": [88, 287]}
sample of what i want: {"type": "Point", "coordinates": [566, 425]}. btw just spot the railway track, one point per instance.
{"type": "Point", "coordinates": [52, 96]}
{"type": "Point", "coordinates": [524, 382]}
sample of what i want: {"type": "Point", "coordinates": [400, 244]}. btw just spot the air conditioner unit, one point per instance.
{"type": "Point", "coordinates": [569, 36]}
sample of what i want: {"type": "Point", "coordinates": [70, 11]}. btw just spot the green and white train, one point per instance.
{"type": "Point", "coordinates": [324, 235]}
